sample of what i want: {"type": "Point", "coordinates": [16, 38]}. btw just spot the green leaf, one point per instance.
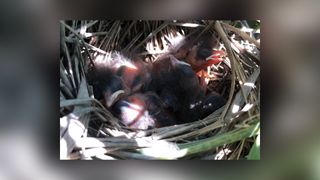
{"type": "Point", "coordinates": [254, 153]}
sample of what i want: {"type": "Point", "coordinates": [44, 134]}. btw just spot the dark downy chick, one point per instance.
{"type": "Point", "coordinates": [177, 85]}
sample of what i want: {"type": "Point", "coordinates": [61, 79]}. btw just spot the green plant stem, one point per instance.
{"type": "Point", "coordinates": [226, 138]}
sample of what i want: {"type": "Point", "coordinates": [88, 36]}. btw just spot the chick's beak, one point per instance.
{"type": "Point", "coordinates": [216, 57]}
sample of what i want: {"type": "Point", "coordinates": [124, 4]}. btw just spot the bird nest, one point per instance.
{"type": "Point", "coordinates": [89, 131]}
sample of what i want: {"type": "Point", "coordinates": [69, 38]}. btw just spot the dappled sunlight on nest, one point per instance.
{"type": "Point", "coordinates": [92, 128]}
{"type": "Point", "coordinates": [169, 43]}
{"type": "Point", "coordinates": [222, 154]}
{"type": "Point", "coordinates": [163, 150]}
{"type": "Point", "coordinates": [113, 59]}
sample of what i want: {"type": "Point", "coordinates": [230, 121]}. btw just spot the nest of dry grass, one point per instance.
{"type": "Point", "coordinates": [89, 131]}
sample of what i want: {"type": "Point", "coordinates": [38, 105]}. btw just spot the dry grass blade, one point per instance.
{"type": "Point", "coordinates": [80, 38]}
{"type": "Point", "coordinates": [179, 129]}
{"type": "Point", "coordinates": [76, 125]}
{"type": "Point", "coordinates": [240, 97]}
{"type": "Point", "coordinates": [226, 42]}
{"type": "Point", "coordinates": [152, 34]}
{"type": "Point", "coordinates": [242, 34]}
{"type": "Point", "coordinates": [124, 35]}
{"type": "Point", "coordinates": [206, 129]}
{"type": "Point", "coordinates": [72, 102]}
{"type": "Point", "coordinates": [84, 26]}
{"type": "Point", "coordinates": [134, 40]}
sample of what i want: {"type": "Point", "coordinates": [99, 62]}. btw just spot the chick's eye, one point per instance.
{"type": "Point", "coordinates": [187, 54]}
{"type": "Point", "coordinates": [203, 53]}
